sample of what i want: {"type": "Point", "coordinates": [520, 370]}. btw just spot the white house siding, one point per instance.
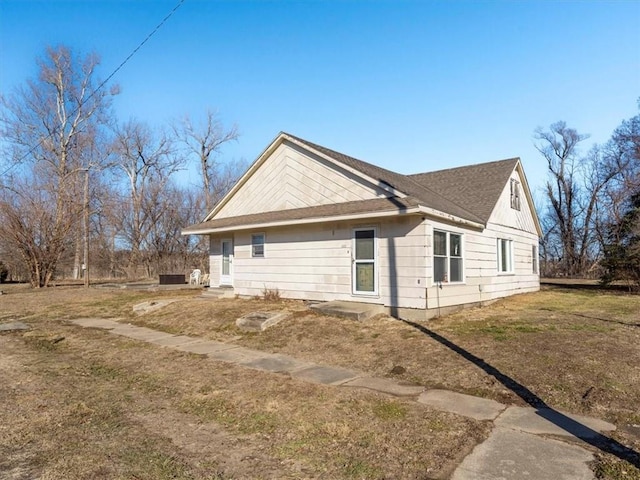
{"type": "Point", "coordinates": [291, 178]}
{"type": "Point", "coordinates": [504, 215]}
{"type": "Point", "coordinates": [482, 280]}
{"type": "Point", "coordinates": [314, 262]}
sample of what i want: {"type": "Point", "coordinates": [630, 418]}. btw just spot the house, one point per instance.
{"type": "Point", "coordinates": [319, 225]}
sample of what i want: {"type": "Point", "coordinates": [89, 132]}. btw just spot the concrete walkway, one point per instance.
{"type": "Point", "coordinates": [520, 445]}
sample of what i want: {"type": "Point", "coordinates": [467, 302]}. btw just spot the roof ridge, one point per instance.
{"type": "Point", "coordinates": [464, 167]}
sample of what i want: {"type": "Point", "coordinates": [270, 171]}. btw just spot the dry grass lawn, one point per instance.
{"type": "Point", "coordinates": [81, 403]}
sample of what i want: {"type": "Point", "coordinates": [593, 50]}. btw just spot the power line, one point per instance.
{"type": "Point", "coordinates": [99, 87]}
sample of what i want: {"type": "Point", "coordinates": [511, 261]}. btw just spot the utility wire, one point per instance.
{"type": "Point", "coordinates": [99, 87]}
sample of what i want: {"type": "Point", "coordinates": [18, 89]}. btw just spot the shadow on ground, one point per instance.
{"type": "Point", "coordinates": [596, 439]}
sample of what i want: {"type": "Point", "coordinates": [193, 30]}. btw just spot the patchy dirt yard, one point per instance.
{"type": "Point", "coordinates": [84, 404]}
{"type": "Point", "coordinates": [81, 403]}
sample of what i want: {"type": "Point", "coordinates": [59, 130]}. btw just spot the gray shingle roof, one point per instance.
{"type": "Point", "coordinates": [469, 192]}
{"type": "Point", "coordinates": [474, 187]}
{"type": "Point", "coordinates": [319, 212]}
{"type": "Point", "coordinates": [400, 182]}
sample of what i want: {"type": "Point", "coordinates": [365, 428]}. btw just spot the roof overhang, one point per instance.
{"type": "Point", "coordinates": [529, 197]}
{"type": "Point", "coordinates": [302, 221]}
{"type": "Point", "coordinates": [312, 215]}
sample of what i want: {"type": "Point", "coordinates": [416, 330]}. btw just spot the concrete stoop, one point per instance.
{"type": "Point", "coordinates": [355, 310]}
{"type": "Point", "coordinates": [217, 292]}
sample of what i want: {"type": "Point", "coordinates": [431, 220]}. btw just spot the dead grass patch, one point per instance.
{"type": "Point", "coordinates": [101, 406]}
{"type": "Point", "coordinates": [576, 350]}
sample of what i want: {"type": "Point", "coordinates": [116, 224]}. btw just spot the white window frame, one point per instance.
{"type": "Point", "coordinates": [534, 260]}
{"type": "Point", "coordinates": [448, 257]}
{"type": "Point", "coordinates": [228, 278]}
{"type": "Point", "coordinates": [254, 245]}
{"type": "Point", "coordinates": [355, 262]}
{"type": "Point", "coordinates": [515, 194]}
{"type": "Point", "coordinates": [510, 267]}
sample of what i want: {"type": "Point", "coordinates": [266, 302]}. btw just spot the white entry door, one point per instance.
{"type": "Point", "coordinates": [226, 268]}
{"type": "Point", "coordinates": [365, 269]}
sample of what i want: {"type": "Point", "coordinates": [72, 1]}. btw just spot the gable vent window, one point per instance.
{"type": "Point", "coordinates": [447, 257]}
{"type": "Point", "coordinates": [257, 245]}
{"type": "Point", "coordinates": [515, 194]}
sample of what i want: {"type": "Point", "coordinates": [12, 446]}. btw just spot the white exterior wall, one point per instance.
{"type": "Point", "coordinates": [483, 282]}
{"type": "Point", "coordinates": [314, 262]}
{"type": "Point", "coordinates": [290, 178]}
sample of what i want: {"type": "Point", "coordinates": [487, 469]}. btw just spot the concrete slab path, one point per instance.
{"type": "Point", "coordinates": [518, 447]}
{"type": "Point", "coordinates": [13, 326]}
{"type": "Point", "coordinates": [508, 454]}
{"type": "Point", "coordinates": [545, 421]}
{"type": "Point", "coordinates": [465, 405]}
{"type": "Point", "coordinates": [385, 385]}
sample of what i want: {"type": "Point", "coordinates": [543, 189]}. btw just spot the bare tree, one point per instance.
{"type": "Point", "coordinates": [47, 124]}
{"type": "Point", "coordinates": [622, 150]}
{"type": "Point", "coordinates": [574, 193]}
{"type": "Point", "coordinates": [147, 161]}
{"type": "Point", "coordinates": [33, 224]}
{"type": "Point", "coordinates": [559, 147]}
{"type": "Point", "coordinates": [205, 141]}
{"type": "Point", "coordinates": [168, 250]}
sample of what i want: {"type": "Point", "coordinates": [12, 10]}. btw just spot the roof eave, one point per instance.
{"type": "Point", "coordinates": [305, 221]}
{"type": "Point", "coordinates": [419, 210]}
{"type": "Point", "coordinates": [529, 197]}
{"type": "Point", "coordinates": [451, 218]}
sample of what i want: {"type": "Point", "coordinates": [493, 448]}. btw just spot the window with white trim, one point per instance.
{"type": "Point", "coordinates": [505, 256]}
{"type": "Point", "coordinates": [257, 245]}
{"type": "Point", "coordinates": [448, 264]}
{"type": "Point", "coordinates": [515, 194]}
{"type": "Point", "coordinates": [534, 258]}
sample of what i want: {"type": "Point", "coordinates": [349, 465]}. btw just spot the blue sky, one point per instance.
{"type": "Point", "coordinates": [408, 85]}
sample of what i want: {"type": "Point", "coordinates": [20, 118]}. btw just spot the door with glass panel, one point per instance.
{"type": "Point", "coordinates": [364, 262]}
{"type": "Point", "coordinates": [226, 267]}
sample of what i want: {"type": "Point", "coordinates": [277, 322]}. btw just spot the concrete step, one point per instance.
{"type": "Point", "coordinates": [355, 310]}
{"type": "Point", "coordinates": [217, 292]}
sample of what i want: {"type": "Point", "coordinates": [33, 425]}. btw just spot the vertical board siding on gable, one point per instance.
{"type": "Point", "coordinates": [289, 178]}
{"type": "Point", "coordinates": [314, 262]}
{"type": "Point", "coordinates": [504, 215]}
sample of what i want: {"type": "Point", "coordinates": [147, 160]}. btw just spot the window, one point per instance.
{"type": "Point", "coordinates": [447, 257]}
{"type": "Point", "coordinates": [257, 245]}
{"type": "Point", "coordinates": [505, 256]}
{"type": "Point", "coordinates": [534, 258]}
{"type": "Point", "coordinates": [515, 194]}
